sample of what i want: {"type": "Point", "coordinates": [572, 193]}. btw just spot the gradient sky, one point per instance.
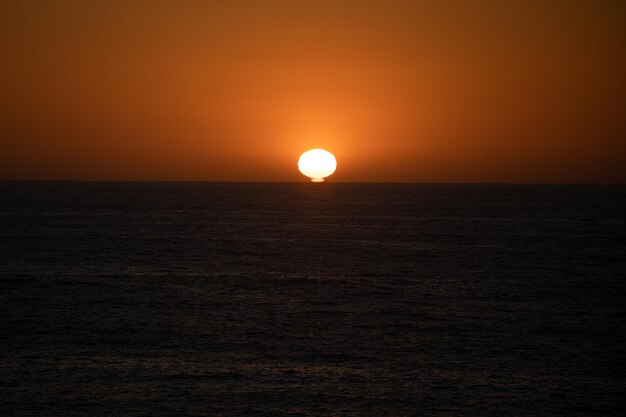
{"type": "Point", "coordinates": [408, 91]}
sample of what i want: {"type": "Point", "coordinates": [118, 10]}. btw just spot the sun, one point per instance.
{"type": "Point", "coordinates": [317, 164]}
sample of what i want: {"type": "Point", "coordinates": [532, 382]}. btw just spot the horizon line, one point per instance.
{"type": "Point", "coordinates": [127, 181]}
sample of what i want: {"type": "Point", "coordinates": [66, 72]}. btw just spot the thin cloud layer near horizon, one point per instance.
{"type": "Point", "coordinates": [401, 91]}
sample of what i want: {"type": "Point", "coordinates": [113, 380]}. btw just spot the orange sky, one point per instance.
{"type": "Point", "coordinates": [430, 91]}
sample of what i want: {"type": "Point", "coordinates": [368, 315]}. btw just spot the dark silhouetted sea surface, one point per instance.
{"type": "Point", "coordinates": [166, 299]}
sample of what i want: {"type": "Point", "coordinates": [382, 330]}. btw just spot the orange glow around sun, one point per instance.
{"type": "Point", "coordinates": [401, 91]}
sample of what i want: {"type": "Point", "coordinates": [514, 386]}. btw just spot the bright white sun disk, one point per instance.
{"type": "Point", "coordinates": [317, 164]}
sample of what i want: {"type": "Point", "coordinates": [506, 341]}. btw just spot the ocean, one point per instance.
{"type": "Point", "coordinates": [331, 299]}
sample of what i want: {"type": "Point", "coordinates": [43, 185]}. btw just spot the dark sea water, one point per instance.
{"type": "Point", "coordinates": [166, 299]}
